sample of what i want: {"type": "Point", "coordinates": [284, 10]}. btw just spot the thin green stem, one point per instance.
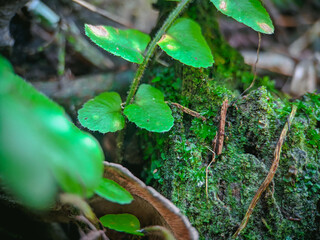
{"type": "Point", "coordinates": [150, 50]}
{"type": "Point", "coordinates": [152, 46]}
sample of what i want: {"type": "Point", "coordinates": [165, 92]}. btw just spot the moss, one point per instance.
{"type": "Point", "coordinates": [288, 210]}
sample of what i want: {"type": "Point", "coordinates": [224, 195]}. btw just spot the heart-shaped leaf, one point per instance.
{"type": "Point", "coordinates": [41, 151]}
{"type": "Point", "coordinates": [149, 111]}
{"type": "Point", "coordinates": [129, 44]}
{"type": "Point", "coordinates": [103, 113]}
{"type": "Point", "coordinates": [122, 223]}
{"type": "Point", "coordinates": [248, 12]}
{"type": "Point", "coordinates": [184, 42]}
{"type": "Point", "coordinates": [113, 192]}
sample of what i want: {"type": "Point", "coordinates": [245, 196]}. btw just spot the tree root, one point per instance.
{"type": "Point", "coordinates": [270, 175]}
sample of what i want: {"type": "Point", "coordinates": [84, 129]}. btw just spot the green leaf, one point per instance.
{"type": "Point", "coordinates": [149, 111]}
{"type": "Point", "coordinates": [40, 149]}
{"type": "Point", "coordinates": [184, 42]}
{"type": "Point", "coordinates": [113, 192]}
{"type": "Point", "coordinates": [248, 12]}
{"type": "Point", "coordinates": [103, 113]}
{"type": "Point", "coordinates": [122, 223]}
{"type": "Point", "coordinates": [129, 44]}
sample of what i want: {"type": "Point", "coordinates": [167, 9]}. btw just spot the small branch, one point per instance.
{"type": "Point", "coordinates": [188, 111]}
{"type": "Point", "coordinates": [217, 143]}
{"type": "Point", "coordinates": [270, 175]}
{"type": "Point", "coordinates": [103, 13]}
{"type": "Point", "coordinates": [222, 125]}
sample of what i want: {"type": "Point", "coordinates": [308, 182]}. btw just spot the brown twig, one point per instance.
{"type": "Point", "coordinates": [217, 143]}
{"type": "Point", "coordinates": [188, 111]}
{"type": "Point", "coordinates": [270, 175]}
{"type": "Point", "coordinates": [220, 139]}
{"type": "Point", "coordinates": [103, 13]}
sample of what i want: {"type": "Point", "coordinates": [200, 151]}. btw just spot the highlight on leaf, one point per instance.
{"type": "Point", "coordinates": [248, 12]}
{"type": "Point", "coordinates": [102, 113]}
{"type": "Point", "coordinates": [149, 110]}
{"type": "Point", "coordinates": [185, 43]}
{"type": "Point", "coordinates": [113, 192]}
{"type": "Point", "coordinates": [127, 223]}
{"type": "Point", "coordinates": [129, 44]}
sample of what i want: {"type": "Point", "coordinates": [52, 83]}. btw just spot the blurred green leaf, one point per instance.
{"type": "Point", "coordinates": [113, 192]}
{"type": "Point", "coordinates": [122, 223]}
{"type": "Point", "coordinates": [149, 111]}
{"type": "Point", "coordinates": [103, 113]}
{"type": "Point", "coordinates": [184, 42]}
{"type": "Point", "coordinates": [129, 44]}
{"type": "Point", "coordinates": [40, 149]}
{"type": "Point", "coordinates": [248, 12]}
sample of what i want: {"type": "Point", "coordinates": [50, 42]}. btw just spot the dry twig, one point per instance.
{"type": "Point", "coordinates": [188, 111]}
{"type": "Point", "coordinates": [270, 175]}
{"type": "Point", "coordinates": [220, 138]}
{"type": "Point", "coordinates": [217, 143]}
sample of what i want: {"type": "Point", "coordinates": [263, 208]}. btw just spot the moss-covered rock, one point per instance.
{"type": "Point", "coordinates": [290, 207]}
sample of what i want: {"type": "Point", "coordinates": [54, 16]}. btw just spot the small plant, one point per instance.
{"type": "Point", "coordinates": [179, 38]}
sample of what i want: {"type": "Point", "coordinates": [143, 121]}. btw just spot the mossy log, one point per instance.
{"type": "Point", "coordinates": [290, 207]}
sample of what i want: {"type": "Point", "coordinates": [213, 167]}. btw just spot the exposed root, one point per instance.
{"type": "Point", "coordinates": [270, 175]}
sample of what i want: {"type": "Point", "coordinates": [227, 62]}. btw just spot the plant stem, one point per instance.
{"type": "Point", "coordinates": [152, 46]}
{"type": "Point", "coordinates": [82, 205]}
{"type": "Point", "coordinates": [150, 50]}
